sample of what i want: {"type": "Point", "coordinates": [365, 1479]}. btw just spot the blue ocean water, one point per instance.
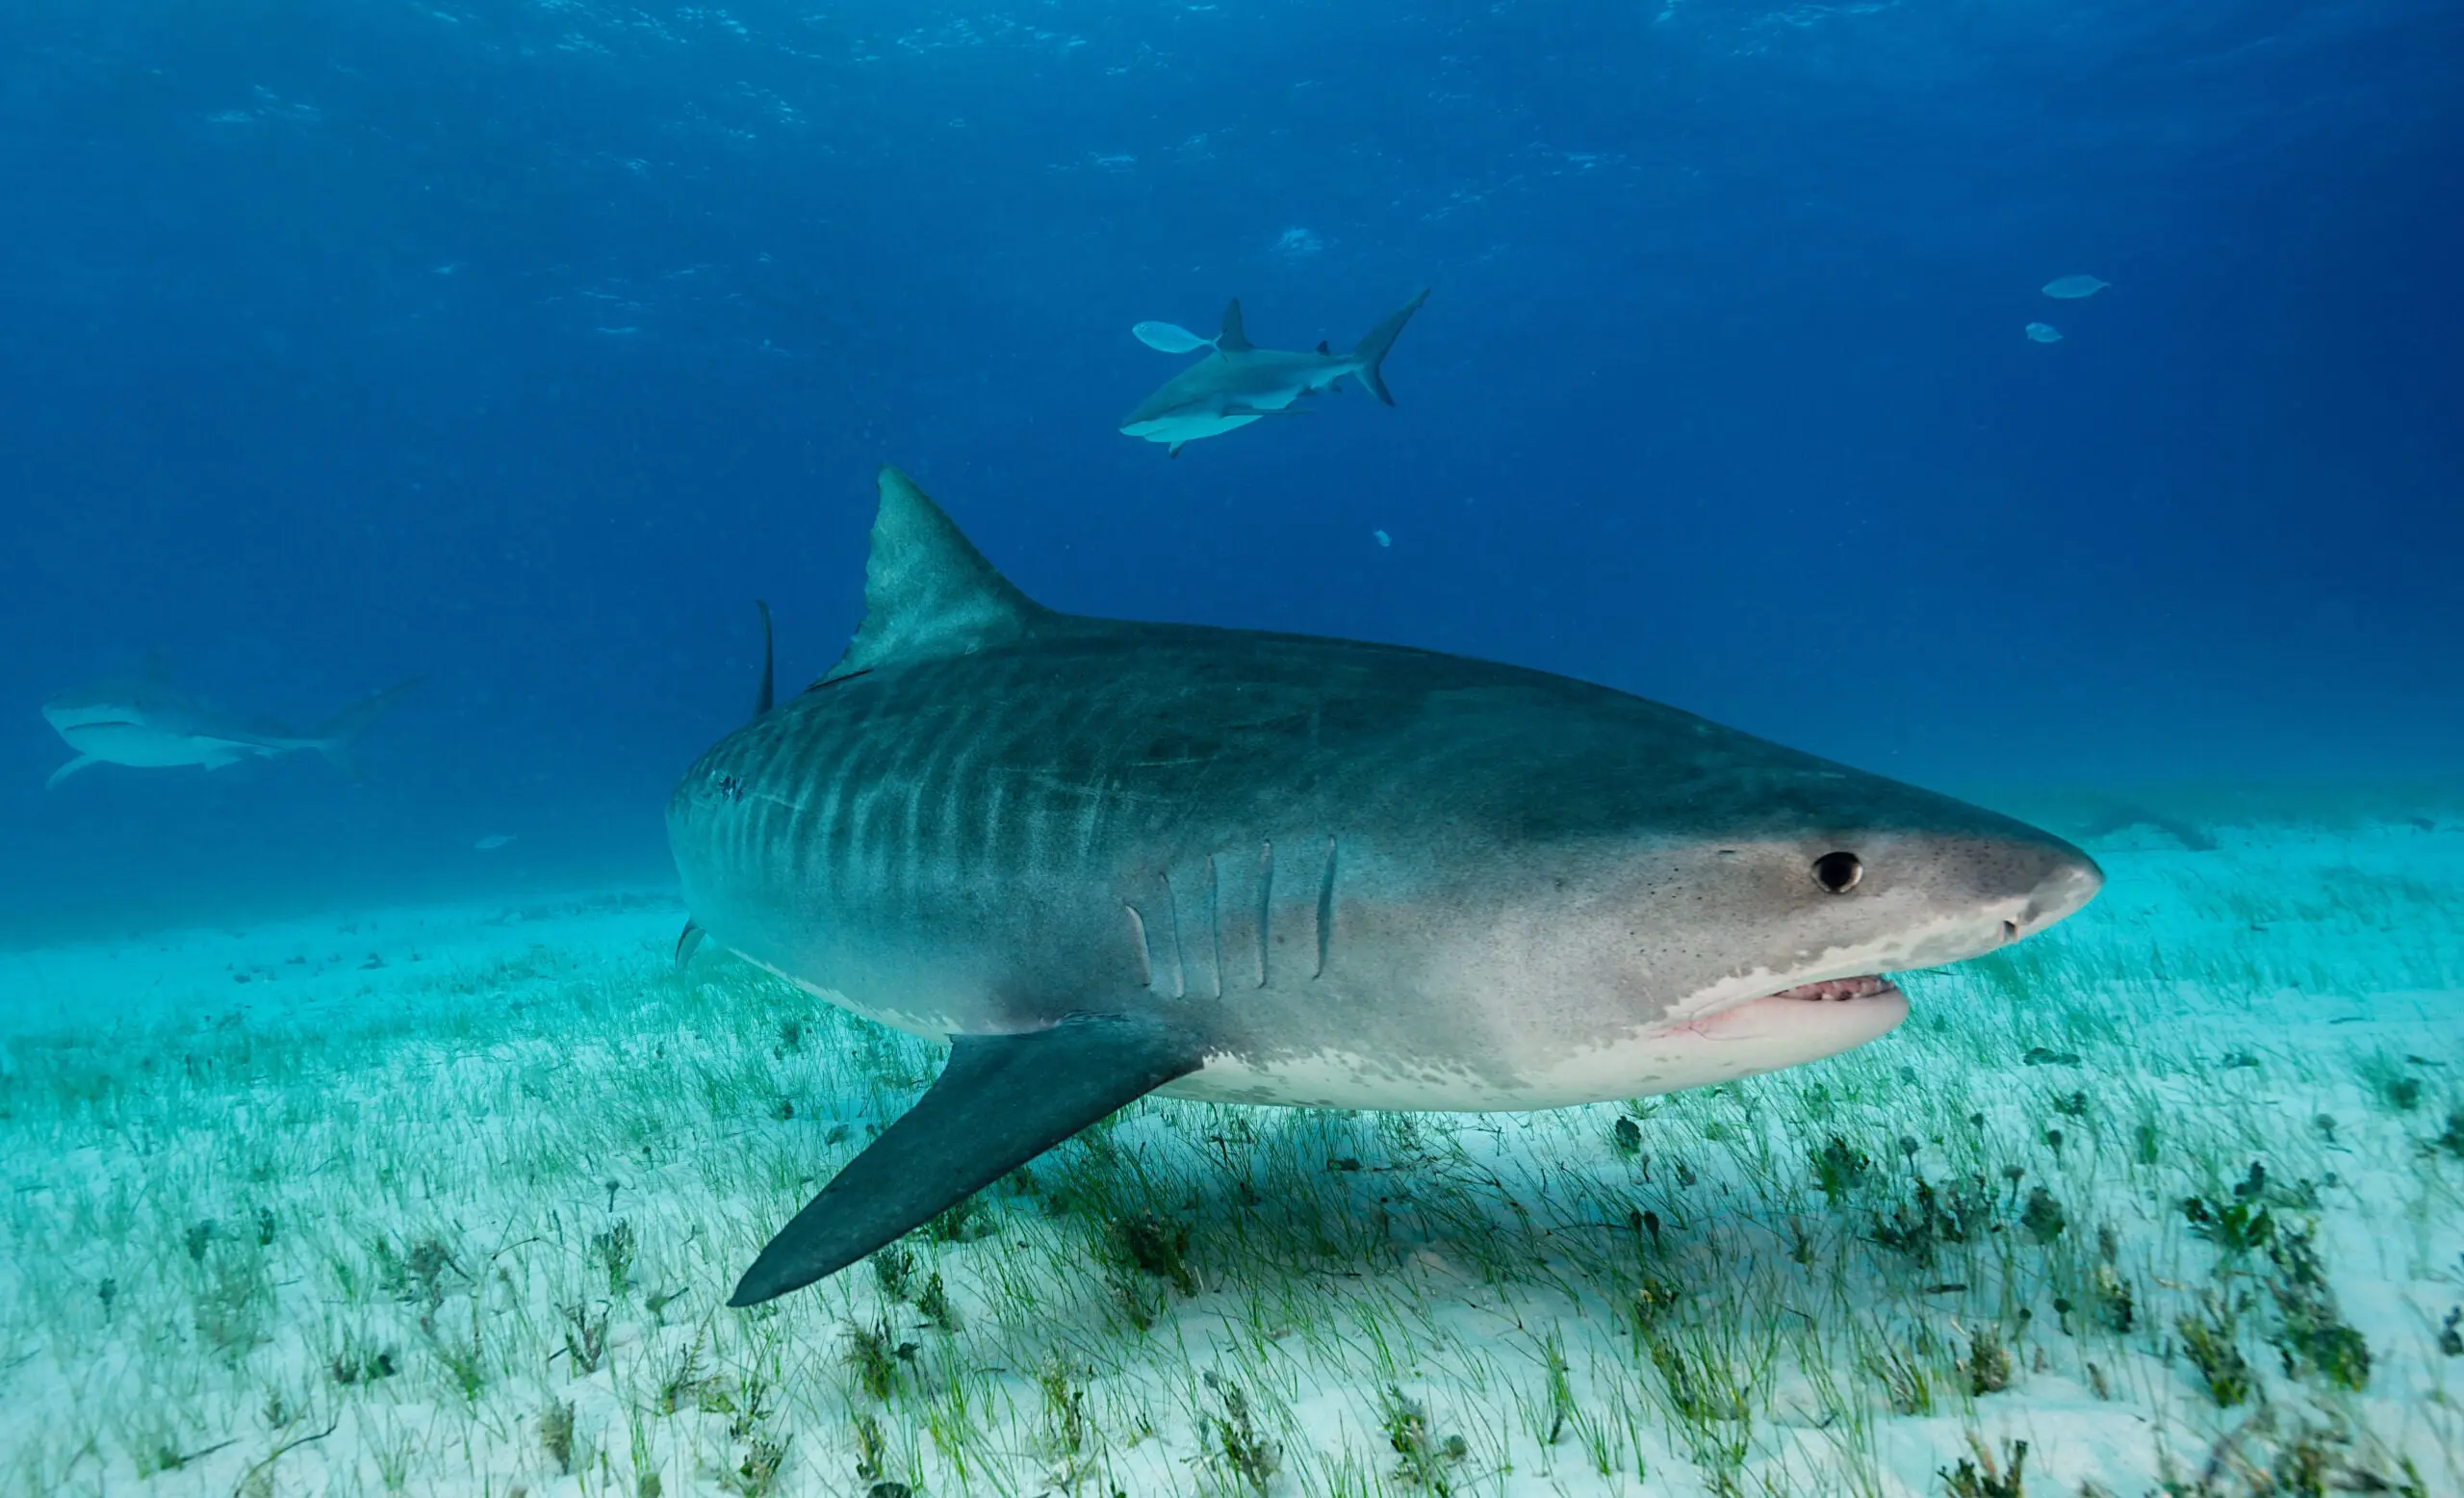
{"type": "Point", "coordinates": [524, 346]}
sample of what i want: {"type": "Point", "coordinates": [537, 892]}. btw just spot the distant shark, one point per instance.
{"type": "Point", "coordinates": [1107, 858]}
{"type": "Point", "coordinates": [1239, 382]}
{"type": "Point", "coordinates": [147, 723]}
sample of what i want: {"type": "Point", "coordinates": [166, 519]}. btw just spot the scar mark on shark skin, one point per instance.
{"type": "Point", "coordinates": [1266, 905]}
{"type": "Point", "coordinates": [1173, 917]}
{"type": "Point", "coordinates": [1325, 908]}
{"type": "Point", "coordinates": [1138, 939]}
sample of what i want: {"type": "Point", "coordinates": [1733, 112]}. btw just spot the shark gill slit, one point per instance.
{"type": "Point", "coordinates": [907, 860]}
{"type": "Point", "coordinates": [946, 781]}
{"type": "Point", "coordinates": [1325, 908]}
{"type": "Point", "coordinates": [1215, 922]}
{"type": "Point", "coordinates": [830, 833]}
{"type": "Point", "coordinates": [1266, 905]}
{"type": "Point", "coordinates": [1172, 918]}
{"type": "Point", "coordinates": [1138, 939]}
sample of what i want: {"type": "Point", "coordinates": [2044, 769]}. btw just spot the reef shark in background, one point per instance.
{"type": "Point", "coordinates": [1104, 859]}
{"type": "Point", "coordinates": [150, 724]}
{"type": "Point", "coordinates": [1237, 382]}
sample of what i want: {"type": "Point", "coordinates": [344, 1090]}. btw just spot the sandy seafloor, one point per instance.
{"type": "Point", "coordinates": [448, 1200]}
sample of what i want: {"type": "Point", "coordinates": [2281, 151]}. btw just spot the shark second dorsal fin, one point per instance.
{"type": "Point", "coordinates": [763, 694]}
{"type": "Point", "coordinates": [1233, 339]}
{"type": "Point", "coordinates": [928, 592]}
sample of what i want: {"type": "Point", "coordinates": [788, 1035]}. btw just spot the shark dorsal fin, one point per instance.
{"type": "Point", "coordinates": [1322, 346]}
{"type": "Point", "coordinates": [928, 592]}
{"type": "Point", "coordinates": [1233, 339]}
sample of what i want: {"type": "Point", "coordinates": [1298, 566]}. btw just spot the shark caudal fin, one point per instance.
{"type": "Point", "coordinates": [1371, 351]}
{"type": "Point", "coordinates": [334, 740]}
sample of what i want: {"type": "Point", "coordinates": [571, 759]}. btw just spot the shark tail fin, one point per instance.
{"type": "Point", "coordinates": [334, 740]}
{"type": "Point", "coordinates": [1371, 351]}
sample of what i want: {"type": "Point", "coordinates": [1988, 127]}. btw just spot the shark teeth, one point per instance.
{"type": "Point", "coordinates": [1837, 990]}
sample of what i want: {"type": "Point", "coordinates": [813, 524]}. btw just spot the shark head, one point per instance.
{"type": "Point", "coordinates": [1750, 918]}
{"type": "Point", "coordinates": [137, 721]}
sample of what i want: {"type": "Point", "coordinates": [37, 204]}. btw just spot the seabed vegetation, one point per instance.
{"type": "Point", "coordinates": [2169, 1200]}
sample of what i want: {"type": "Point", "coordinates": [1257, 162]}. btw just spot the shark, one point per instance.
{"type": "Point", "coordinates": [1104, 858]}
{"type": "Point", "coordinates": [148, 723]}
{"type": "Point", "coordinates": [1237, 383]}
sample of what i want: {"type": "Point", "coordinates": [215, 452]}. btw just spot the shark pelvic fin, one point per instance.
{"type": "Point", "coordinates": [1233, 339]}
{"type": "Point", "coordinates": [928, 592]}
{"type": "Point", "coordinates": [687, 941]}
{"type": "Point", "coordinates": [69, 769]}
{"type": "Point", "coordinates": [765, 693]}
{"type": "Point", "coordinates": [1002, 1100]}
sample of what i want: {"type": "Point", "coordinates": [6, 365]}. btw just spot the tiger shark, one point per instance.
{"type": "Point", "coordinates": [1237, 382]}
{"type": "Point", "coordinates": [1104, 859]}
{"type": "Point", "coordinates": [150, 724]}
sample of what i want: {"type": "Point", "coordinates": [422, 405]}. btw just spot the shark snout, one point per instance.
{"type": "Point", "coordinates": [67, 716]}
{"type": "Point", "coordinates": [2070, 882]}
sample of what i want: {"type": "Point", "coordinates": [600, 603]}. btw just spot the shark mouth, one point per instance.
{"type": "Point", "coordinates": [1840, 989]}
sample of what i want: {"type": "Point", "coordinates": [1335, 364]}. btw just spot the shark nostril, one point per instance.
{"type": "Point", "coordinates": [2009, 931]}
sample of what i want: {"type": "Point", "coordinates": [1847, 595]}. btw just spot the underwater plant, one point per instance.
{"type": "Point", "coordinates": [1427, 1461]}
{"type": "Point", "coordinates": [557, 1434]}
{"type": "Point", "coordinates": [2209, 1338]}
{"type": "Point", "coordinates": [1236, 1444]}
{"type": "Point", "coordinates": [1983, 1475]}
{"type": "Point", "coordinates": [2311, 1338]}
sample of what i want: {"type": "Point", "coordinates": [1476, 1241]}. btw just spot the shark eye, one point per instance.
{"type": "Point", "coordinates": [1838, 872]}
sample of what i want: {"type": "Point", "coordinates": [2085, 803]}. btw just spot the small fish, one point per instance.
{"type": "Point", "coordinates": [1383, 540]}
{"type": "Point", "coordinates": [2072, 288]}
{"type": "Point", "coordinates": [493, 842]}
{"type": "Point", "coordinates": [1169, 338]}
{"type": "Point", "coordinates": [2045, 333]}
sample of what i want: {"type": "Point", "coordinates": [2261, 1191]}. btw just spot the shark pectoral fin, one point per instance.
{"type": "Point", "coordinates": [1001, 1100]}
{"type": "Point", "coordinates": [69, 769]}
{"type": "Point", "coordinates": [687, 941]}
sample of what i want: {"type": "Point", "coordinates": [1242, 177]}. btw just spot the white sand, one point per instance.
{"type": "Point", "coordinates": [422, 1175]}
